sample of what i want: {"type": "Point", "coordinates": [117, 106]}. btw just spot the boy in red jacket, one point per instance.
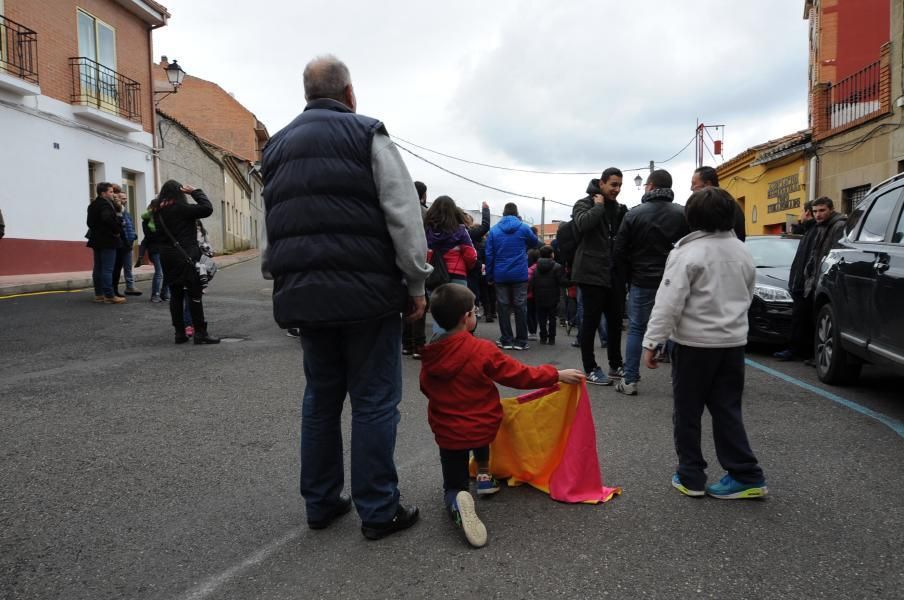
{"type": "Point", "coordinates": [459, 375]}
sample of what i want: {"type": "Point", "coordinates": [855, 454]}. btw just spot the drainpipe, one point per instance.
{"type": "Point", "coordinates": [811, 180]}
{"type": "Point", "coordinates": [155, 150]}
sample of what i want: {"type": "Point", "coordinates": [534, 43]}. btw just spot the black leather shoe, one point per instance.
{"type": "Point", "coordinates": [202, 337]}
{"type": "Point", "coordinates": [345, 505]}
{"type": "Point", "coordinates": [181, 338]}
{"type": "Point", "coordinates": [405, 517]}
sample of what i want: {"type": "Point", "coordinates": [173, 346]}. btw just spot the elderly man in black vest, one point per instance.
{"type": "Point", "coordinates": [347, 253]}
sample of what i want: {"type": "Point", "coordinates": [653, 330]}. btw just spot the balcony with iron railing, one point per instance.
{"type": "Point", "coordinates": [18, 57]}
{"type": "Point", "coordinates": [854, 100]}
{"type": "Point", "coordinates": [105, 91]}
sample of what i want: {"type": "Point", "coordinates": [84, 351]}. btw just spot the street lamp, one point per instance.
{"type": "Point", "coordinates": [174, 75]}
{"type": "Point", "coordinates": [638, 180]}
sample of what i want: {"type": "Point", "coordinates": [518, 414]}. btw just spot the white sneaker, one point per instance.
{"type": "Point", "coordinates": [532, 337]}
{"type": "Point", "coordinates": [628, 389]}
{"type": "Point", "coordinates": [465, 516]}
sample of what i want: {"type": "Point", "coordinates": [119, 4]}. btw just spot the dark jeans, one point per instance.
{"type": "Point", "coordinates": [597, 301]}
{"type": "Point", "coordinates": [488, 296]}
{"type": "Point", "coordinates": [531, 316]}
{"type": "Point", "coordinates": [117, 268]}
{"type": "Point", "coordinates": [474, 284]}
{"type": "Point", "coordinates": [456, 476]}
{"type": "Point", "coordinates": [190, 298]}
{"type": "Point", "coordinates": [579, 318]}
{"type": "Point", "coordinates": [363, 361]}
{"type": "Point", "coordinates": [547, 319]}
{"type": "Point", "coordinates": [802, 325]}
{"type": "Point", "coordinates": [104, 261]}
{"type": "Point", "coordinates": [512, 298]}
{"type": "Point", "coordinates": [714, 378]}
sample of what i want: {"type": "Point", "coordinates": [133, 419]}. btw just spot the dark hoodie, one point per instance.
{"type": "Point", "coordinates": [457, 376]}
{"type": "Point", "coordinates": [549, 279]}
{"type": "Point", "coordinates": [827, 233]}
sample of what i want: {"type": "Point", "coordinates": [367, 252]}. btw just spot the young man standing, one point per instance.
{"type": "Point", "coordinates": [647, 235]}
{"type": "Point", "coordinates": [598, 219]}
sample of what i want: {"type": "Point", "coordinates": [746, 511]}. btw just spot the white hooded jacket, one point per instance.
{"type": "Point", "coordinates": [705, 293]}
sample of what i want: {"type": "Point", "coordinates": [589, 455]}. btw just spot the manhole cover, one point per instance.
{"type": "Point", "coordinates": [226, 340]}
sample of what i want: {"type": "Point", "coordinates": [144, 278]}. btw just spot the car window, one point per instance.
{"type": "Point", "coordinates": [897, 236]}
{"type": "Point", "coordinates": [853, 220]}
{"type": "Point", "coordinates": [876, 223]}
{"type": "Point", "coordinates": [772, 251]}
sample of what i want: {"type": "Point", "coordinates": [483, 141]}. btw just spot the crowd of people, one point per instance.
{"type": "Point", "coordinates": [353, 248]}
{"type": "Point", "coordinates": [174, 241]}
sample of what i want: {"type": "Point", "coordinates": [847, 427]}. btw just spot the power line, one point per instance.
{"type": "Point", "coordinates": [475, 182]}
{"type": "Point", "coordinates": [501, 168]}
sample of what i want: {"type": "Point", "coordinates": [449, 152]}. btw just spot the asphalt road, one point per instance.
{"type": "Point", "coordinates": [134, 468]}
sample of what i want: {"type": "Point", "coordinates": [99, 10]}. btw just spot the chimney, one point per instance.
{"type": "Point", "coordinates": [164, 61]}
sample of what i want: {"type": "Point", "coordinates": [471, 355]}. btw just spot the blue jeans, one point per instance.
{"type": "Point", "coordinates": [363, 361]}
{"type": "Point", "coordinates": [640, 305]}
{"type": "Point", "coordinates": [157, 282]}
{"type": "Point", "coordinates": [127, 268]}
{"type": "Point", "coordinates": [104, 259]}
{"type": "Point", "coordinates": [512, 297]}
{"type": "Point", "coordinates": [579, 318]}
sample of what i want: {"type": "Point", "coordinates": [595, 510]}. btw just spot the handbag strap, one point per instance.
{"type": "Point", "coordinates": [174, 240]}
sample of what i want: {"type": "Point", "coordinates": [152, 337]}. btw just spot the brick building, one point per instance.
{"type": "Point", "coordinates": [224, 126]}
{"type": "Point", "coordinates": [76, 108]}
{"type": "Point", "coordinates": [856, 98]}
{"type": "Point", "coordinates": [233, 184]}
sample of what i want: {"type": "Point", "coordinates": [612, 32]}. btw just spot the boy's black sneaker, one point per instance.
{"type": "Point", "coordinates": [342, 508]}
{"type": "Point", "coordinates": [405, 517]}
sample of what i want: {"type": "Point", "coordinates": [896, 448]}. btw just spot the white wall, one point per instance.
{"type": "Point", "coordinates": [43, 189]}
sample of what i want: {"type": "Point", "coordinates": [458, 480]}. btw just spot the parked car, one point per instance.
{"type": "Point", "coordinates": [770, 311]}
{"type": "Point", "coordinates": [859, 299]}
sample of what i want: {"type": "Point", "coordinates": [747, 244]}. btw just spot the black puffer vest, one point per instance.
{"type": "Point", "coordinates": [330, 253]}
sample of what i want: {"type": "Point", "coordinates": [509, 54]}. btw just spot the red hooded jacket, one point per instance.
{"type": "Point", "coordinates": [458, 375]}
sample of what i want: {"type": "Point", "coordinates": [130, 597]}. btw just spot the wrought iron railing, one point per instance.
{"type": "Point", "coordinates": [18, 50]}
{"type": "Point", "coordinates": [101, 87]}
{"type": "Point", "coordinates": [855, 97]}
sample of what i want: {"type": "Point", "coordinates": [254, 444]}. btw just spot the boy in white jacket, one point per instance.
{"type": "Point", "coordinates": [701, 305]}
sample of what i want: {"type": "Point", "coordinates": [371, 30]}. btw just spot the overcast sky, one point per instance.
{"type": "Point", "coordinates": [567, 85]}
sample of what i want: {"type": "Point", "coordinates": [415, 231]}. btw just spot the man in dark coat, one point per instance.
{"type": "Point", "coordinates": [597, 218]}
{"type": "Point", "coordinates": [802, 307]}
{"type": "Point", "coordinates": [104, 238]}
{"type": "Point", "coordinates": [705, 177]}
{"type": "Point", "coordinates": [829, 229]}
{"type": "Point", "coordinates": [348, 255]}
{"type": "Point", "coordinates": [647, 235]}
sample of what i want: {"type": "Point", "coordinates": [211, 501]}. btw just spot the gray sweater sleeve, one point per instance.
{"type": "Point", "coordinates": [399, 201]}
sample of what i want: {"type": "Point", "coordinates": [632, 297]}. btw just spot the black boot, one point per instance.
{"type": "Point", "coordinates": [202, 337]}
{"type": "Point", "coordinates": [181, 338]}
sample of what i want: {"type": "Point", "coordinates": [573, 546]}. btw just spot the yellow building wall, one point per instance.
{"type": "Point", "coordinates": [770, 195]}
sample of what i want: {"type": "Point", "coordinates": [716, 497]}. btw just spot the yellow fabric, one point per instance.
{"type": "Point", "coordinates": [532, 438]}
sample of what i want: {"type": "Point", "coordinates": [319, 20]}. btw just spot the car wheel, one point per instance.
{"type": "Point", "coordinates": [833, 363]}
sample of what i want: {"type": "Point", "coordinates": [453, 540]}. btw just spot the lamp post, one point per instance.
{"type": "Point", "coordinates": [638, 180]}
{"type": "Point", "coordinates": [174, 75]}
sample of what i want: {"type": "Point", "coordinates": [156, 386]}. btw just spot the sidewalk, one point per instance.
{"type": "Point", "coordinates": [51, 282]}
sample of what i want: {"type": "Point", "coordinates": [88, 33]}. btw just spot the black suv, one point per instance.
{"type": "Point", "coordinates": [859, 300]}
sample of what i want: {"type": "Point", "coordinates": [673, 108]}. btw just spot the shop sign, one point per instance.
{"type": "Point", "coordinates": [781, 190]}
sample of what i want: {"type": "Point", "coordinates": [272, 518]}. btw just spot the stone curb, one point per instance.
{"type": "Point", "coordinates": [81, 282]}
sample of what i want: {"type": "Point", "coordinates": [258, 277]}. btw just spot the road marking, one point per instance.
{"type": "Point", "coordinates": [890, 422]}
{"type": "Point", "coordinates": [213, 583]}
{"type": "Point", "coordinates": [26, 294]}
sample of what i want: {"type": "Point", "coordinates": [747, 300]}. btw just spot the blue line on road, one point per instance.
{"type": "Point", "coordinates": [893, 424]}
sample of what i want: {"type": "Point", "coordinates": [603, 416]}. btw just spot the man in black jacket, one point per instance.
{"type": "Point", "coordinates": [348, 255]}
{"type": "Point", "coordinates": [705, 177]}
{"type": "Point", "coordinates": [104, 238]}
{"type": "Point", "coordinates": [802, 307]}
{"type": "Point", "coordinates": [597, 219]}
{"type": "Point", "coordinates": [647, 235]}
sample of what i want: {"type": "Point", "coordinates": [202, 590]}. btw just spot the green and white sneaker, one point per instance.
{"type": "Point", "coordinates": [676, 483]}
{"type": "Point", "coordinates": [730, 489]}
{"type": "Point", "coordinates": [465, 517]}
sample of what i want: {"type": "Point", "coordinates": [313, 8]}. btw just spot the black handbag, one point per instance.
{"type": "Point", "coordinates": [440, 274]}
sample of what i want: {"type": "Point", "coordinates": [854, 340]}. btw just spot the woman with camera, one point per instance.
{"type": "Point", "coordinates": [180, 255]}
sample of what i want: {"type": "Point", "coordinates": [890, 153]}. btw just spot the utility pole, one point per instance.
{"type": "Point", "coordinates": [542, 217]}
{"type": "Point", "coordinates": [652, 166]}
